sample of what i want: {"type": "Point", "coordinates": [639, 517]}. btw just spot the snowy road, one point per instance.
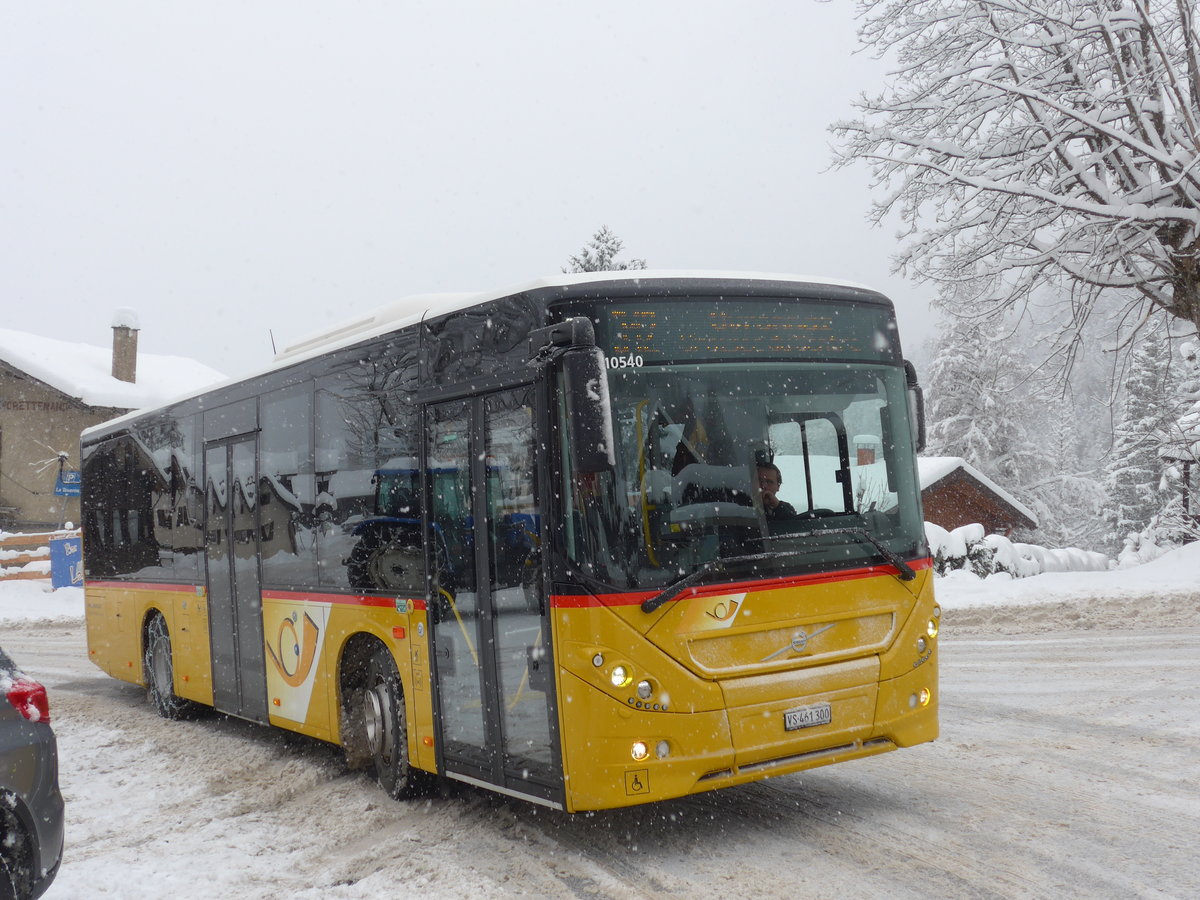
{"type": "Point", "coordinates": [1069, 766]}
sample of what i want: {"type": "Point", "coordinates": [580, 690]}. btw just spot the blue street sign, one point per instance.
{"type": "Point", "coordinates": [66, 562]}
{"type": "Point", "coordinates": [68, 483]}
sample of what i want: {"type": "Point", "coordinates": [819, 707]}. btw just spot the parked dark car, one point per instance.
{"type": "Point", "coordinates": [31, 806]}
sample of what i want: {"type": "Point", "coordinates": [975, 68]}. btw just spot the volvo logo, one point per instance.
{"type": "Point", "coordinates": [798, 643]}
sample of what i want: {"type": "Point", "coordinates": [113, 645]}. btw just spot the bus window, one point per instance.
{"type": "Point", "coordinates": [367, 437]}
{"type": "Point", "coordinates": [689, 439]}
{"type": "Point", "coordinates": [288, 536]}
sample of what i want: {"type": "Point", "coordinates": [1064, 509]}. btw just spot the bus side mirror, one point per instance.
{"type": "Point", "coordinates": [916, 405]}
{"type": "Point", "coordinates": [589, 416]}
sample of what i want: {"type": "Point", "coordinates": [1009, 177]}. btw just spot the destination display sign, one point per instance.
{"type": "Point", "coordinates": [711, 328]}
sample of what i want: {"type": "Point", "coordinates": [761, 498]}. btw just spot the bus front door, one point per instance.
{"type": "Point", "coordinates": [234, 601]}
{"type": "Point", "coordinates": [491, 636]}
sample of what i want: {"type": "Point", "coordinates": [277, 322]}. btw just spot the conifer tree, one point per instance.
{"type": "Point", "coordinates": [1179, 521]}
{"type": "Point", "coordinates": [976, 401]}
{"type": "Point", "coordinates": [985, 406]}
{"type": "Point", "coordinates": [600, 255]}
{"type": "Point", "coordinates": [1065, 493]}
{"type": "Point", "coordinates": [1134, 470]}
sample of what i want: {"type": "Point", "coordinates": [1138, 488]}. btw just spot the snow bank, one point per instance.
{"type": "Point", "coordinates": [1169, 584]}
{"type": "Point", "coordinates": [36, 601]}
{"type": "Point", "coordinates": [970, 550]}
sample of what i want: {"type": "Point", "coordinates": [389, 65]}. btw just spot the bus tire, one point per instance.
{"type": "Point", "coordinates": [159, 672]}
{"type": "Point", "coordinates": [385, 728]}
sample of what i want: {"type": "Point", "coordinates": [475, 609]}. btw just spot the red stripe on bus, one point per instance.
{"type": "Point", "coordinates": [575, 601]}
{"type": "Point", "coordinates": [141, 586]}
{"type": "Point", "coordinates": [343, 599]}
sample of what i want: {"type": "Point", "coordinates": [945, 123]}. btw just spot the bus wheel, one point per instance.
{"type": "Point", "coordinates": [385, 729]}
{"type": "Point", "coordinates": [160, 674]}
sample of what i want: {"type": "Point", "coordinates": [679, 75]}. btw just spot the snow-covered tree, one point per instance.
{"type": "Point", "coordinates": [600, 255]}
{"type": "Point", "coordinates": [1177, 450]}
{"type": "Point", "coordinates": [1066, 491]}
{"type": "Point", "coordinates": [976, 404]}
{"type": "Point", "coordinates": [1134, 470]}
{"type": "Point", "coordinates": [986, 405]}
{"type": "Point", "coordinates": [1034, 142]}
{"type": "Point", "coordinates": [1180, 452]}
{"type": "Point", "coordinates": [1183, 440]}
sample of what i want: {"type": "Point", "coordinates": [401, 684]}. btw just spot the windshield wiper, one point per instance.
{"type": "Point", "coordinates": [905, 571]}
{"type": "Point", "coordinates": [713, 565]}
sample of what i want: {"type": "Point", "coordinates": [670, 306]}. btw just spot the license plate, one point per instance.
{"type": "Point", "coordinates": [807, 717]}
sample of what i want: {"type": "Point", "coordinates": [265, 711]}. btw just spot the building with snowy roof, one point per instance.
{"type": "Point", "coordinates": [954, 493]}
{"type": "Point", "coordinates": [50, 390]}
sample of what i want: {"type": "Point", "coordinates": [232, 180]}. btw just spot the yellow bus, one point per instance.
{"type": "Point", "coordinates": [596, 541]}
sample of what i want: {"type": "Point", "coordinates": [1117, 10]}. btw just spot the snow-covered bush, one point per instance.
{"type": "Point", "coordinates": [1167, 531]}
{"type": "Point", "coordinates": [970, 548]}
{"type": "Point", "coordinates": [1018, 560]}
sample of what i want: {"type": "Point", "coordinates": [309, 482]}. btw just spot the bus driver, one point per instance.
{"type": "Point", "coordinates": [769, 481]}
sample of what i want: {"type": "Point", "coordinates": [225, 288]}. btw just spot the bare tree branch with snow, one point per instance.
{"type": "Point", "coordinates": [1027, 143]}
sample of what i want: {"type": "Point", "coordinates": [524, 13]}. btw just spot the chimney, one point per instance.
{"type": "Point", "coordinates": [124, 354]}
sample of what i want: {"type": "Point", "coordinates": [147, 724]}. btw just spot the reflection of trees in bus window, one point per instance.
{"type": "Point", "coordinates": [286, 487]}
{"type": "Point", "coordinates": [122, 482]}
{"type": "Point", "coordinates": [366, 433]}
{"type": "Point", "coordinates": [513, 516]}
{"type": "Point", "coordinates": [449, 477]}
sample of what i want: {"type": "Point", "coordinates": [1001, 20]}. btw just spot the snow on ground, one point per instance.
{"type": "Point", "coordinates": [1164, 593]}
{"type": "Point", "coordinates": [1175, 572]}
{"type": "Point", "coordinates": [219, 807]}
{"type": "Point", "coordinates": [35, 601]}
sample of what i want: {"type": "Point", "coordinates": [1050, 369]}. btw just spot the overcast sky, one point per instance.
{"type": "Point", "coordinates": [227, 169]}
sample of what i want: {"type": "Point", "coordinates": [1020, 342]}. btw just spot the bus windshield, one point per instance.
{"type": "Point", "coordinates": [812, 461]}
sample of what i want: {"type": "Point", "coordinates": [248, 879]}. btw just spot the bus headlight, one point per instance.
{"type": "Point", "coordinates": [932, 628]}
{"type": "Point", "coordinates": [639, 750]}
{"type": "Point", "coordinates": [620, 676]}
{"type": "Point", "coordinates": [644, 689]}
{"type": "Point", "coordinates": [921, 644]}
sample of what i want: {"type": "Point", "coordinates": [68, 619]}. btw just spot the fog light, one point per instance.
{"type": "Point", "coordinates": [937, 612]}
{"type": "Point", "coordinates": [645, 689]}
{"type": "Point", "coordinates": [598, 660]}
{"type": "Point", "coordinates": [925, 696]}
{"type": "Point", "coordinates": [662, 750]}
{"type": "Point", "coordinates": [932, 628]}
{"type": "Point", "coordinates": [638, 751]}
{"type": "Point", "coordinates": [620, 676]}
{"type": "Point", "coordinates": [921, 645]}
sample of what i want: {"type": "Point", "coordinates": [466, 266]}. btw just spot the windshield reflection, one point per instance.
{"type": "Point", "coordinates": [726, 461]}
